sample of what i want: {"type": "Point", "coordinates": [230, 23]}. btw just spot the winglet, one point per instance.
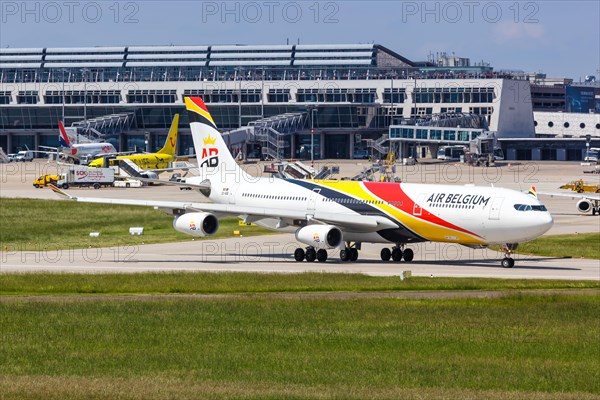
{"type": "Point", "coordinates": [60, 192]}
{"type": "Point", "coordinates": [532, 191]}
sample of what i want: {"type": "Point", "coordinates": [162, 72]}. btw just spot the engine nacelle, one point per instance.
{"type": "Point", "coordinates": [149, 174]}
{"type": "Point", "coordinates": [198, 224]}
{"type": "Point", "coordinates": [584, 206]}
{"type": "Point", "coordinates": [320, 236]}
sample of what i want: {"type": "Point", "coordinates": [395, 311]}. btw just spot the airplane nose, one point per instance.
{"type": "Point", "coordinates": [545, 222]}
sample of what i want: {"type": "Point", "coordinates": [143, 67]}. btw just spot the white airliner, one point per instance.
{"type": "Point", "coordinates": [326, 214]}
{"type": "Point", "coordinates": [81, 150]}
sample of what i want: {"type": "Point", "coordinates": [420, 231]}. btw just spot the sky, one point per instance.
{"type": "Point", "coordinates": [559, 38]}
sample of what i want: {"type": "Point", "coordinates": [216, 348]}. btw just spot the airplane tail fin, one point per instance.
{"type": "Point", "coordinates": [63, 138]}
{"type": "Point", "coordinates": [532, 191]}
{"type": "Point", "coordinates": [171, 142]}
{"type": "Point", "coordinates": [213, 155]}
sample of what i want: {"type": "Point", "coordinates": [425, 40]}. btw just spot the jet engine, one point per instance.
{"type": "Point", "coordinates": [196, 224]}
{"type": "Point", "coordinates": [320, 236]}
{"type": "Point", "coordinates": [584, 206]}
{"type": "Point", "coordinates": [149, 174]}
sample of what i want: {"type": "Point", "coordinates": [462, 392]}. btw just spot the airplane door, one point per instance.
{"type": "Point", "coordinates": [418, 209]}
{"type": "Point", "coordinates": [232, 191]}
{"type": "Point", "coordinates": [495, 208]}
{"type": "Point", "coordinates": [312, 199]}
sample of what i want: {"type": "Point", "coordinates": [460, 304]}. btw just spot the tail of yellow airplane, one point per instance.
{"type": "Point", "coordinates": [171, 142]}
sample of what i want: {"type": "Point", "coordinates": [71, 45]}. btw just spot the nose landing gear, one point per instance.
{"type": "Point", "coordinates": [508, 261]}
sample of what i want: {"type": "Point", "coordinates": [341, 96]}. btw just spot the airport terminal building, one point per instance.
{"type": "Point", "coordinates": [269, 98]}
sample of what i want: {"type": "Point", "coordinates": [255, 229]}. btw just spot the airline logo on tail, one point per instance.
{"type": "Point", "coordinates": [171, 142]}
{"type": "Point", "coordinates": [209, 156]}
{"type": "Point", "coordinates": [63, 139]}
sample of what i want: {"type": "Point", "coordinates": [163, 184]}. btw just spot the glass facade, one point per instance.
{"type": "Point", "coordinates": [454, 95]}
{"type": "Point", "coordinates": [419, 133]}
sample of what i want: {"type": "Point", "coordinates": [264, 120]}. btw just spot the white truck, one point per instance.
{"type": "Point", "coordinates": [24, 155]}
{"type": "Point", "coordinates": [82, 176]}
{"type": "Point", "coordinates": [128, 183]}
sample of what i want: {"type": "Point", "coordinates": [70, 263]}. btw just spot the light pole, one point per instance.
{"type": "Point", "coordinates": [84, 72]}
{"type": "Point", "coordinates": [312, 109]}
{"type": "Point", "coordinates": [238, 73]}
{"type": "Point", "coordinates": [63, 95]}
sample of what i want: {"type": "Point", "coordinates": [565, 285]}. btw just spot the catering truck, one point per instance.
{"type": "Point", "coordinates": [82, 176]}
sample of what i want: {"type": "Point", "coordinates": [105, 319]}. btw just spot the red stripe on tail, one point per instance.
{"type": "Point", "coordinates": [199, 102]}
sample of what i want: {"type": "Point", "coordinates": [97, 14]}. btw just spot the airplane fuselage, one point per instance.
{"type": "Point", "coordinates": [469, 215]}
{"type": "Point", "coordinates": [144, 161]}
{"type": "Point", "coordinates": [78, 151]}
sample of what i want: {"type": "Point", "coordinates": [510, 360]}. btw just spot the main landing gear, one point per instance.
{"type": "Point", "coordinates": [310, 254]}
{"type": "Point", "coordinates": [348, 253]}
{"type": "Point", "coordinates": [397, 253]}
{"type": "Point", "coordinates": [508, 261]}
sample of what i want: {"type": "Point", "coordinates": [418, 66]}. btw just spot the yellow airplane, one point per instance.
{"type": "Point", "coordinates": [153, 161]}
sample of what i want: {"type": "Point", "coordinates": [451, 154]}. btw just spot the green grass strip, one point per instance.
{"type": "Point", "coordinates": [29, 224]}
{"type": "Point", "coordinates": [209, 283]}
{"type": "Point", "coordinates": [516, 347]}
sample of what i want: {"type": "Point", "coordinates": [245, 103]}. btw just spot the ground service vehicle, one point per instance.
{"type": "Point", "coordinates": [86, 177]}
{"type": "Point", "coordinates": [24, 155]}
{"type": "Point", "coordinates": [44, 180]}
{"type": "Point", "coordinates": [450, 153]}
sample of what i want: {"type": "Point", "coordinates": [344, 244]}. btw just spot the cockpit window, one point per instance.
{"type": "Point", "coordinates": [527, 207]}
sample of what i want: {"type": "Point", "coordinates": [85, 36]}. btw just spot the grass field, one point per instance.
{"type": "Point", "coordinates": [208, 283]}
{"type": "Point", "coordinates": [29, 224]}
{"type": "Point", "coordinates": [516, 347]}
{"type": "Point", "coordinates": [53, 225]}
{"type": "Point", "coordinates": [582, 245]}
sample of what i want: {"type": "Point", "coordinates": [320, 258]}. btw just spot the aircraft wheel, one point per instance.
{"type": "Point", "coordinates": [322, 255]}
{"type": "Point", "coordinates": [396, 254]}
{"type": "Point", "coordinates": [508, 262]}
{"type": "Point", "coordinates": [345, 254]}
{"type": "Point", "coordinates": [353, 254]}
{"type": "Point", "coordinates": [595, 210]}
{"type": "Point", "coordinates": [385, 254]}
{"type": "Point", "coordinates": [408, 255]}
{"type": "Point", "coordinates": [311, 254]}
{"type": "Point", "coordinates": [299, 254]}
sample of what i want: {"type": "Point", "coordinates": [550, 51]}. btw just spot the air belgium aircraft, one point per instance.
{"type": "Point", "coordinates": [327, 214]}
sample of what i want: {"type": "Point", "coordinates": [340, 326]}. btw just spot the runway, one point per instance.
{"type": "Point", "coordinates": [272, 254]}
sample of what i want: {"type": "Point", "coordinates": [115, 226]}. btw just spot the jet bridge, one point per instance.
{"type": "Point", "coordinates": [271, 133]}
{"type": "Point", "coordinates": [107, 125]}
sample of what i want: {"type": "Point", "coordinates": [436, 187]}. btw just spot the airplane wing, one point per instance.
{"type": "Point", "coordinates": [349, 221]}
{"type": "Point", "coordinates": [159, 170]}
{"type": "Point", "coordinates": [573, 195]}
{"type": "Point", "coordinates": [172, 183]}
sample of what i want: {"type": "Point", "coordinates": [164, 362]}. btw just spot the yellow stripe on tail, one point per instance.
{"type": "Point", "coordinates": [171, 142]}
